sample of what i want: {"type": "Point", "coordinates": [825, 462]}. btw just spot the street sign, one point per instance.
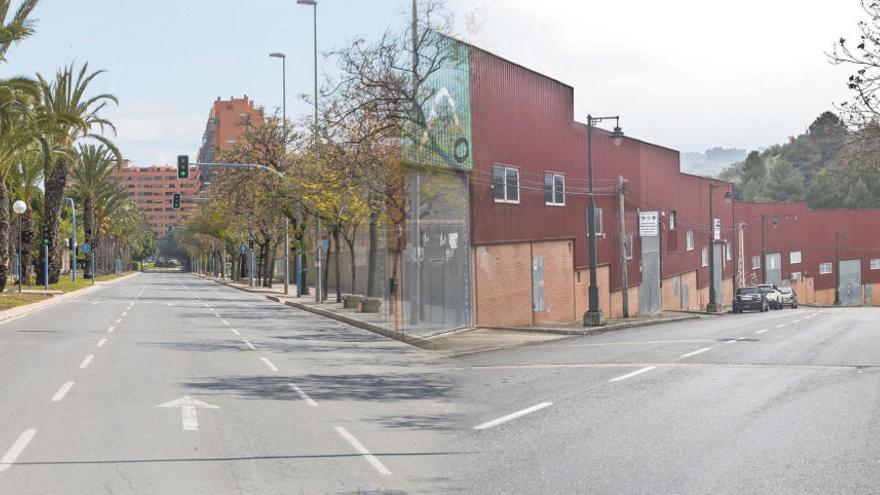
{"type": "Point", "coordinates": [86, 248]}
{"type": "Point", "coordinates": [325, 244]}
{"type": "Point", "coordinates": [648, 225]}
{"type": "Point", "coordinates": [243, 249]}
{"type": "Point", "coordinates": [716, 229]}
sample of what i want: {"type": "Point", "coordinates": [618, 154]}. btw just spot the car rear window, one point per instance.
{"type": "Point", "coordinates": [747, 290]}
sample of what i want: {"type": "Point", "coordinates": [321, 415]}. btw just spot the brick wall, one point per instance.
{"type": "Point", "coordinates": [582, 291]}
{"type": "Point", "coordinates": [503, 285]}
{"type": "Point", "coordinates": [616, 310]}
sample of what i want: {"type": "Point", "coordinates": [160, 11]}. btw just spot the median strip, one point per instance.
{"type": "Point", "coordinates": [512, 416]}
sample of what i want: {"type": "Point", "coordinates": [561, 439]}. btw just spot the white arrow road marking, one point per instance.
{"type": "Point", "coordinates": [101, 343]}
{"type": "Point", "coordinates": [509, 417]}
{"type": "Point", "coordinates": [302, 395]}
{"type": "Point", "coordinates": [17, 448]}
{"type": "Point", "coordinates": [59, 395]}
{"type": "Point", "coordinates": [188, 416]}
{"type": "Point", "coordinates": [698, 351]}
{"type": "Point", "coordinates": [634, 373]}
{"type": "Point", "coordinates": [85, 363]}
{"type": "Point", "coordinates": [363, 450]}
{"type": "Point", "coordinates": [269, 364]}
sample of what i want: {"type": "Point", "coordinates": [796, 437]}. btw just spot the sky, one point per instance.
{"type": "Point", "coordinates": [686, 74]}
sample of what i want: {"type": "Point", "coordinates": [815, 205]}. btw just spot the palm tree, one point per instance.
{"type": "Point", "coordinates": [66, 116]}
{"type": "Point", "coordinates": [17, 28]}
{"type": "Point", "coordinates": [93, 185]}
{"type": "Point", "coordinates": [24, 180]}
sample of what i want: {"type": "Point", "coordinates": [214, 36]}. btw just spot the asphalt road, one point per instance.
{"type": "Point", "coordinates": [781, 402]}
{"type": "Point", "coordinates": [259, 398]}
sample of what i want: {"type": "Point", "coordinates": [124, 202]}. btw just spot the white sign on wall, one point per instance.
{"type": "Point", "coordinates": [716, 228]}
{"type": "Point", "coordinates": [648, 225]}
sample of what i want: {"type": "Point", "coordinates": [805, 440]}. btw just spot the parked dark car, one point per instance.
{"type": "Point", "coordinates": [788, 297]}
{"type": "Point", "coordinates": [749, 299]}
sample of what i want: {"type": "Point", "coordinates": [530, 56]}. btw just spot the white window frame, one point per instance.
{"type": "Point", "coordinates": [794, 258]}
{"type": "Point", "coordinates": [704, 256]}
{"type": "Point", "coordinates": [795, 276]}
{"type": "Point", "coordinates": [553, 191]}
{"type": "Point", "coordinates": [628, 246]}
{"type": "Point", "coordinates": [597, 221]}
{"type": "Point", "coordinates": [875, 264]}
{"type": "Point", "coordinates": [506, 168]}
{"type": "Point", "coordinates": [826, 268]}
{"type": "Point", "coordinates": [728, 252]}
{"type": "Point", "coordinates": [673, 220]}
{"type": "Point", "coordinates": [689, 240]}
{"type": "Point", "coordinates": [756, 262]}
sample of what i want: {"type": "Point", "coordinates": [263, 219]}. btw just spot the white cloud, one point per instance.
{"type": "Point", "coordinates": [152, 133]}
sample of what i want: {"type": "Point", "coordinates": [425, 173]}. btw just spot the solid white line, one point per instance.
{"type": "Point", "coordinates": [235, 332]}
{"type": "Point", "coordinates": [512, 416]}
{"type": "Point", "coordinates": [634, 373]}
{"type": "Point", "coordinates": [363, 450]}
{"type": "Point", "coordinates": [698, 351]}
{"type": "Point", "coordinates": [101, 343]}
{"type": "Point", "coordinates": [225, 322]}
{"type": "Point", "coordinates": [17, 448]}
{"type": "Point", "coordinates": [251, 346]}
{"type": "Point", "coordinates": [269, 364]}
{"type": "Point", "coordinates": [59, 395]}
{"type": "Point", "coordinates": [118, 320]}
{"type": "Point", "coordinates": [761, 331]}
{"type": "Point", "coordinates": [110, 330]}
{"type": "Point", "coordinates": [780, 325]}
{"type": "Point", "coordinates": [85, 363]}
{"type": "Point", "coordinates": [302, 395]}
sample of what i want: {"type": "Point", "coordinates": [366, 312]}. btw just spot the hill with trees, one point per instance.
{"type": "Point", "coordinates": [711, 162]}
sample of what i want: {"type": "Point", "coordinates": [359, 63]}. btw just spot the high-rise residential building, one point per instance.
{"type": "Point", "coordinates": [227, 121]}
{"type": "Point", "coordinates": [152, 189]}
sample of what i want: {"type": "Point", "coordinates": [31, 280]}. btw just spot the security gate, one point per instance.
{"type": "Point", "coordinates": [649, 290]}
{"type": "Point", "coordinates": [773, 268]}
{"type": "Point", "coordinates": [719, 269]}
{"type": "Point", "coordinates": [850, 282]}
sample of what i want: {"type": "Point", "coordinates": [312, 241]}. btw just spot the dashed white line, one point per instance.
{"type": "Point", "coordinates": [59, 395]}
{"type": "Point", "coordinates": [698, 351]}
{"type": "Point", "coordinates": [86, 362]}
{"type": "Point", "coordinates": [761, 331]}
{"type": "Point", "coordinates": [225, 322]}
{"type": "Point", "coordinates": [251, 347]}
{"type": "Point", "coordinates": [269, 364]}
{"type": "Point", "coordinates": [217, 315]}
{"type": "Point", "coordinates": [363, 450]}
{"type": "Point", "coordinates": [16, 449]}
{"type": "Point", "coordinates": [235, 331]}
{"type": "Point", "coordinates": [124, 313]}
{"type": "Point", "coordinates": [110, 330]}
{"type": "Point", "coordinates": [118, 320]}
{"type": "Point", "coordinates": [796, 321]}
{"type": "Point", "coordinates": [512, 416]}
{"type": "Point", "coordinates": [780, 325]}
{"type": "Point", "coordinates": [634, 373]}
{"type": "Point", "coordinates": [101, 343]}
{"type": "Point", "coordinates": [302, 395]}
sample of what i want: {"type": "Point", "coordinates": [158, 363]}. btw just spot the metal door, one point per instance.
{"type": "Point", "coordinates": [773, 264]}
{"type": "Point", "coordinates": [718, 276]}
{"type": "Point", "coordinates": [649, 290]}
{"type": "Point", "coordinates": [850, 282]}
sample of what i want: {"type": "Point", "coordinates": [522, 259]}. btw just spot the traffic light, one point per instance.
{"type": "Point", "coordinates": [176, 201]}
{"type": "Point", "coordinates": [183, 166]}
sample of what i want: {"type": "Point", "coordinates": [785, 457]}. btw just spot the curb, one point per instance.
{"type": "Point", "coordinates": [27, 309]}
{"type": "Point", "coordinates": [603, 329]}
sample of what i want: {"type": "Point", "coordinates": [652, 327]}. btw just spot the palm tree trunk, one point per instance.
{"type": "Point", "coordinates": [336, 252]}
{"type": "Point", "coordinates": [4, 234]}
{"type": "Point", "coordinates": [88, 228]}
{"type": "Point", "coordinates": [54, 196]}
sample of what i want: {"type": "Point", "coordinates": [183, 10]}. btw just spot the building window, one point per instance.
{"type": "Point", "coordinates": [795, 276]}
{"type": "Point", "coordinates": [794, 257]}
{"type": "Point", "coordinates": [756, 262]}
{"type": "Point", "coordinates": [875, 264]}
{"type": "Point", "coordinates": [554, 189]}
{"type": "Point", "coordinates": [729, 251]}
{"type": "Point", "coordinates": [690, 240]}
{"type": "Point", "coordinates": [628, 246]}
{"type": "Point", "coordinates": [505, 182]}
{"type": "Point", "coordinates": [597, 220]}
{"type": "Point", "coordinates": [704, 256]}
{"type": "Point", "coordinates": [824, 268]}
{"type": "Point", "coordinates": [672, 219]}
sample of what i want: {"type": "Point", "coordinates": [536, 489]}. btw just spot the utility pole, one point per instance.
{"type": "Point", "coordinates": [740, 263]}
{"type": "Point", "coordinates": [712, 306]}
{"type": "Point", "coordinates": [763, 251]}
{"type": "Point", "coordinates": [416, 312]}
{"type": "Point", "coordinates": [621, 228]}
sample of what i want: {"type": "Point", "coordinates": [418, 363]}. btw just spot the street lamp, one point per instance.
{"type": "Point", "coordinates": [19, 207]}
{"type": "Point", "coordinates": [713, 306]}
{"type": "Point", "coordinates": [594, 317]}
{"type": "Point", "coordinates": [283, 58]}
{"type": "Point", "coordinates": [318, 281]}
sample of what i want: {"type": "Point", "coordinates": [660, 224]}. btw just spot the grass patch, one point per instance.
{"type": "Point", "coordinates": [10, 300]}
{"type": "Point", "coordinates": [65, 284]}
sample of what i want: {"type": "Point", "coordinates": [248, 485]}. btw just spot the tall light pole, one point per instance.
{"type": "Point", "coordinates": [594, 317]}
{"type": "Point", "coordinates": [319, 296]}
{"type": "Point", "coordinates": [283, 58]}
{"type": "Point", "coordinates": [19, 207]}
{"type": "Point", "coordinates": [73, 247]}
{"type": "Point", "coordinates": [713, 306]}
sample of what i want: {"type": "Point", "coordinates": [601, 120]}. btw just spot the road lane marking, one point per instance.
{"type": "Point", "coordinates": [124, 313]}
{"type": "Point", "coordinates": [59, 395]}
{"type": "Point", "coordinates": [363, 450]}
{"type": "Point", "coordinates": [118, 320]}
{"type": "Point", "coordinates": [207, 305]}
{"type": "Point", "coordinates": [780, 325]}
{"type": "Point", "coordinates": [761, 331]}
{"type": "Point", "coordinates": [101, 343]}
{"type": "Point", "coordinates": [634, 373]}
{"type": "Point", "coordinates": [302, 395]}
{"type": "Point", "coordinates": [189, 418]}
{"type": "Point", "coordinates": [217, 315]}
{"type": "Point", "coordinates": [796, 321]}
{"type": "Point", "coordinates": [110, 330]}
{"type": "Point", "coordinates": [225, 322]}
{"type": "Point", "coordinates": [235, 331]}
{"type": "Point", "coordinates": [512, 416]}
{"type": "Point", "coordinates": [269, 364]}
{"type": "Point", "coordinates": [16, 449]}
{"type": "Point", "coordinates": [251, 346]}
{"type": "Point", "coordinates": [86, 362]}
{"type": "Point", "coordinates": [698, 351]}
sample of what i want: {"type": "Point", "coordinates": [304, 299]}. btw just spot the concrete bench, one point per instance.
{"type": "Point", "coordinates": [370, 304]}
{"type": "Point", "coordinates": [352, 301]}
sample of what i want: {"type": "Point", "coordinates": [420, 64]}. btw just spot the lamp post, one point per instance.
{"type": "Point", "coordinates": [296, 268]}
{"type": "Point", "coordinates": [713, 305]}
{"type": "Point", "coordinates": [73, 247]}
{"type": "Point", "coordinates": [19, 207]}
{"type": "Point", "coordinates": [319, 295]}
{"type": "Point", "coordinates": [594, 316]}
